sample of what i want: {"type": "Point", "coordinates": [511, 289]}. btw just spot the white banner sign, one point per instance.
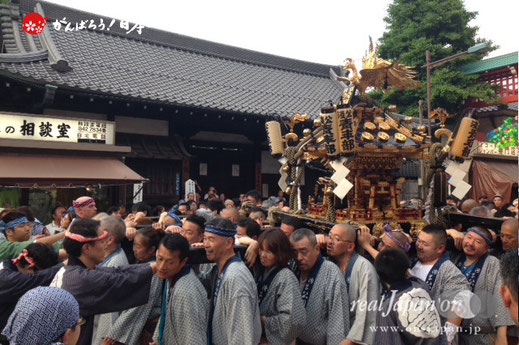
{"type": "Point", "coordinates": [56, 129]}
{"type": "Point", "coordinates": [487, 148]}
{"type": "Point", "coordinates": [190, 187]}
{"type": "Point", "coordinates": [137, 192]}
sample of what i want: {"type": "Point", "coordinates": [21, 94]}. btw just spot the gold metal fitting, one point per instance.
{"type": "Point", "coordinates": [370, 126]}
{"type": "Point", "coordinates": [383, 126]}
{"type": "Point", "coordinates": [399, 137]}
{"type": "Point", "coordinates": [291, 137]}
{"type": "Point", "coordinates": [367, 136]}
{"type": "Point", "coordinates": [383, 136]}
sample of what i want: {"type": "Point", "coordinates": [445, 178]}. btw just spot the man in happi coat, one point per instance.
{"type": "Point", "coordinates": [127, 327]}
{"type": "Point", "coordinates": [114, 257]}
{"type": "Point", "coordinates": [324, 293]}
{"type": "Point", "coordinates": [407, 315]}
{"type": "Point", "coordinates": [99, 290]}
{"type": "Point", "coordinates": [445, 281]}
{"type": "Point", "coordinates": [483, 273]}
{"type": "Point", "coordinates": [361, 280]}
{"type": "Point", "coordinates": [509, 290]}
{"type": "Point", "coordinates": [234, 317]}
{"type": "Point", "coordinates": [185, 308]}
{"type": "Point", "coordinates": [35, 266]}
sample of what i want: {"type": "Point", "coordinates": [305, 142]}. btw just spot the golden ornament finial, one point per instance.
{"type": "Point", "coordinates": [295, 119]}
{"type": "Point", "coordinates": [379, 73]}
{"type": "Point", "coordinates": [441, 114]}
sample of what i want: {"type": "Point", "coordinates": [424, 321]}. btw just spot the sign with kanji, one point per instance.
{"type": "Point", "coordinates": [486, 148]}
{"type": "Point", "coordinates": [56, 129]}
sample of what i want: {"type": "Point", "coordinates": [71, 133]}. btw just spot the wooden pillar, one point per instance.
{"type": "Point", "coordinates": [393, 196]}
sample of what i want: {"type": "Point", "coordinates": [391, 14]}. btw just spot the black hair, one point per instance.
{"type": "Point", "coordinates": [12, 216]}
{"type": "Point", "coordinates": [292, 221]}
{"type": "Point", "coordinates": [142, 207]}
{"type": "Point", "coordinates": [489, 204]}
{"type": "Point", "coordinates": [71, 215]}
{"type": "Point", "coordinates": [198, 220]}
{"type": "Point", "coordinates": [255, 194]}
{"type": "Point", "coordinates": [157, 210]}
{"type": "Point", "coordinates": [112, 209]}
{"type": "Point", "coordinates": [27, 211]}
{"type": "Point", "coordinates": [215, 205]}
{"type": "Point", "coordinates": [220, 222]}
{"type": "Point", "coordinates": [184, 204]}
{"type": "Point", "coordinates": [173, 242]}
{"type": "Point", "coordinates": [43, 255]}
{"type": "Point", "coordinates": [509, 272]}
{"type": "Point", "coordinates": [153, 237]}
{"type": "Point", "coordinates": [438, 231]}
{"type": "Point", "coordinates": [392, 265]}
{"type": "Point", "coordinates": [252, 228]}
{"type": "Point", "coordinates": [55, 208]}
{"type": "Point", "coordinates": [255, 209]}
{"type": "Point", "coordinates": [83, 227]}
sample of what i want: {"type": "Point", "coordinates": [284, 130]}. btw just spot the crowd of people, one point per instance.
{"type": "Point", "coordinates": [110, 278]}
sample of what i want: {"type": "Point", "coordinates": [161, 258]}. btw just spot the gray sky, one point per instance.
{"type": "Point", "coordinates": [324, 31]}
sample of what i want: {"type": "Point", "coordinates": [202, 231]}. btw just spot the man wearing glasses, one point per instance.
{"type": "Point", "coordinates": [361, 280]}
{"type": "Point", "coordinates": [99, 290]}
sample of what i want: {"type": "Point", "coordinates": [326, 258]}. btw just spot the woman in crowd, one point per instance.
{"type": "Point", "coordinates": [145, 244]}
{"type": "Point", "coordinates": [281, 306]}
{"type": "Point", "coordinates": [66, 219]}
{"type": "Point", "coordinates": [44, 316]}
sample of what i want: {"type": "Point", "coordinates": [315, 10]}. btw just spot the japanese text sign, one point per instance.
{"type": "Point", "coordinates": [56, 129]}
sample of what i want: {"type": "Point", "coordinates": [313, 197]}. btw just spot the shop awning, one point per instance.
{"type": "Point", "coordinates": [60, 171]}
{"type": "Point", "coordinates": [490, 177]}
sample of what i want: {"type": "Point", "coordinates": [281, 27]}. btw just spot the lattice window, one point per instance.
{"type": "Point", "coordinates": [506, 84]}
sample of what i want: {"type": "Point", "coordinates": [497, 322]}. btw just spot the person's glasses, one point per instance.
{"type": "Point", "coordinates": [336, 239]}
{"type": "Point", "coordinates": [80, 322]}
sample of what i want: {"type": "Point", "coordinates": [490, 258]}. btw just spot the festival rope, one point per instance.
{"type": "Point", "coordinates": [330, 211]}
{"type": "Point", "coordinates": [436, 180]}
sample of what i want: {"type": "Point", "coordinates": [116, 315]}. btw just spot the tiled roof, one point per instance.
{"type": "Point", "coordinates": [510, 106]}
{"type": "Point", "coordinates": [490, 64]}
{"type": "Point", "coordinates": [410, 169]}
{"type": "Point", "coordinates": [159, 66]}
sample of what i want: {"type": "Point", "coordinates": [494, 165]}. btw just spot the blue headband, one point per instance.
{"type": "Point", "coordinates": [220, 231]}
{"type": "Point", "coordinates": [175, 217]}
{"type": "Point", "coordinates": [388, 231]}
{"type": "Point", "coordinates": [487, 240]}
{"type": "Point", "coordinates": [12, 223]}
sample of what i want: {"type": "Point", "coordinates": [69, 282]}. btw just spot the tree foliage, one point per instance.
{"type": "Point", "coordinates": [442, 27]}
